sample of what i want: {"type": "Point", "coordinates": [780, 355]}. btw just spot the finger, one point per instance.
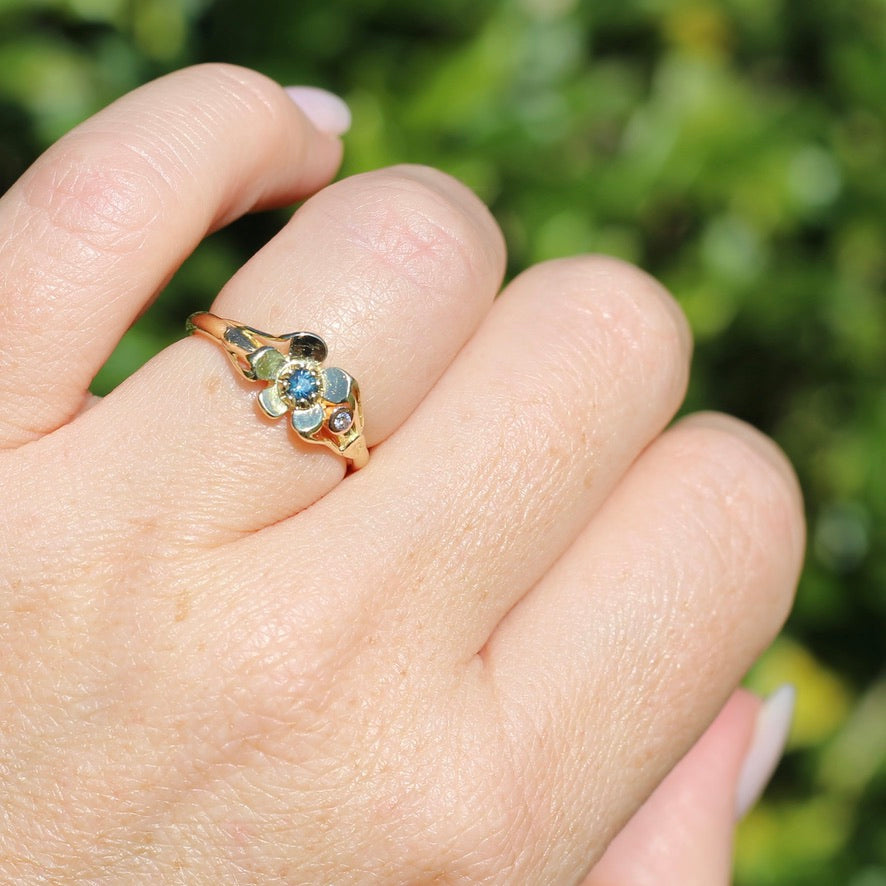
{"type": "Point", "coordinates": [393, 268]}
{"type": "Point", "coordinates": [682, 835]}
{"type": "Point", "coordinates": [621, 655]}
{"type": "Point", "coordinates": [579, 364]}
{"type": "Point", "coordinates": [98, 224]}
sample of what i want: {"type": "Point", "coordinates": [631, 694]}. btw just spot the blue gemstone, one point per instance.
{"type": "Point", "coordinates": [303, 385]}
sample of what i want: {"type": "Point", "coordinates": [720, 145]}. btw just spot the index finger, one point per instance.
{"type": "Point", "coordinates": [96, 226]}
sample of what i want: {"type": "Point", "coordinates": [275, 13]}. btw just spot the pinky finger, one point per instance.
{"type": "Point", "coordinates": [683, 834]}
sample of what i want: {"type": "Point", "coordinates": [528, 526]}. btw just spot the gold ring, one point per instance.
{"type": "Point", "coordinates": [324, 403]}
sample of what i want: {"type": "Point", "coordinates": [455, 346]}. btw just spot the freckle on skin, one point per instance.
{"type": "Point", "coordinates": [211, 383]}
{"type": "Point", "coordinates": [182, 606]}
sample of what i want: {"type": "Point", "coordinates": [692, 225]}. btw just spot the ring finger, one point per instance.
{"type": "Point", "coordinates": [394, 269]}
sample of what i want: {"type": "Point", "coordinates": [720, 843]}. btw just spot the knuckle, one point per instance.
{"type": "Point", "coordinates": [634, 302]}
{"type": "Point", "coordinates": [421, 224]}
{"type": "Point", "coordinates": [104, 199]}
{"type": "Point", "coordinates": [108, 185]}
{"type": "Point", "coordinates": [745, 498]}
{"type": "Point", "coordinates": [457, 193]}
{"type": "Point", "coordinates": [620, 326]}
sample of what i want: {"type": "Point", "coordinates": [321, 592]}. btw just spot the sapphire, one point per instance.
{"type": "Point", "coordinates": [303, 386]}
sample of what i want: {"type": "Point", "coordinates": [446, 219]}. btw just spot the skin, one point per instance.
{"type": "Point", "coordinates": [474, 661]}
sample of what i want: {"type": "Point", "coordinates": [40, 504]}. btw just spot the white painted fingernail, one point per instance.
{"type": "Point", "coordinates": [766, 749]}
{"type": "Point", "coordinates": [325, 110]}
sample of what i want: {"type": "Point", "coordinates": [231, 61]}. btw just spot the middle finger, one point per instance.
{"type": "Point", "coordinates": [579, 365]}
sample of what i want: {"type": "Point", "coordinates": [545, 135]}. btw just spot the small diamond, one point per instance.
{"type": "Point", "coordinates": [341, 420]}
{"type": "Point", "coordinates": [302, 386]}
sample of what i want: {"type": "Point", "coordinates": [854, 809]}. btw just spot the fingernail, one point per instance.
{"type": "Point", "coordinates": [766, 749]}
{"type": "Point", "coordinates": [325, 110]}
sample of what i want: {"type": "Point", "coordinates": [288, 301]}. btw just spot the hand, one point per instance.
{"type": "Point", "coordinates": [473, 660]}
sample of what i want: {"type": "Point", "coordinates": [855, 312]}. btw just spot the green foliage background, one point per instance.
{"type": "Point", "coordinates": [736, 149]}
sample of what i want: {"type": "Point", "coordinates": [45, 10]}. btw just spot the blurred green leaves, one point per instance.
{"type": "Point", "coordinates": [734, 148]}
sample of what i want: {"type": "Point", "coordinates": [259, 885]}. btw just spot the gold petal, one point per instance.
{"type": "Point", "coordinates": [266, 363]}
{"type": "Point", "coordinates": [306, 421]}
{"type": "Point", "coordinates": [306, 346]}
{"type": "Point", "coordinates": [337, 385]}
{"type": "Point", "coordinates": [271, 403]}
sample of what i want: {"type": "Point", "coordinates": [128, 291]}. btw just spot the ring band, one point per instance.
{"type": "Point", "coordinates": [324, 403]}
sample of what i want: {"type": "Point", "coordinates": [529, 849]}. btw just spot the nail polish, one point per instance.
{"type": "Point", "coordinates": [766, 748]}
{"type": "Point", "coordinates": [324, 109]}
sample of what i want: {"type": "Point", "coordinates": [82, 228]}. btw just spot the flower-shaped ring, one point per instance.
{"type": "Point", "coordinates": [324, 402]}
